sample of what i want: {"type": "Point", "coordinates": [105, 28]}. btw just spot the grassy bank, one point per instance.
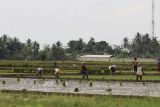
{"type": "Point", "coordinates": [91, 77]}
{"type": "Point", "coordinates": [67, 66]}
{"type": "Point", "coordinates": [41, 100]}
{"type": "Point", "coordinates": [113, 77]}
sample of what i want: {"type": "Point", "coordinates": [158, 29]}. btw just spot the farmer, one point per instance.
{"type": "Point", "coordinates": [84, 70]}
{"type": "Point", "coordinates": [112, 68]}
{"type": "Point", "coordinates": [135, 63]}
{"type": "Point", "coordinates": [139, 72]}
{"type": "Point", "coordinates": [39, 72]}
{"type": "Point", "coordinates": [74, 65]}
{"type": "Point", "coordinates": [57, 72]}
{"type": "Point", "coordinates": [158, 64]}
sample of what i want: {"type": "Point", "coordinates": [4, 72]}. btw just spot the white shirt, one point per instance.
{"type": "Point", "coordinates": [139, 71]}
{"type": "Point", "coordinates": [57, 70]}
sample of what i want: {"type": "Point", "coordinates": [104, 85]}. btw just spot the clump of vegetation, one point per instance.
{"type": "Point", "coordinates": [90, 84]}
{"type": "Point", "coordinates": [18, 78]}
{"type": "Point", "coordinates": [108, 84]}
{"type": "Point", "coordinates": [61, 80]}
{"type": "Point", "coordinates": [3, 82]}
{"type": "Point", "coordinates": [121, 84]}
{"type": "Point", "coordinates": [24, 90]}
{"type": "Point", "coordinates": [109, 89]}
{"type": "Point", "coordinates": [76, 90]}
{"type": "Point", "coordinates": [103, 78]}
{"type": "Point", "coordinates": [43, 78]}
{"type": "Point", "coordinates": [144, 83]}
{"type": "Point", "coordinates": [34, 82]}
{"type": "Point", "coordinates": [64, 83]}
{"type": "Point", "coordinates": [57, 82]}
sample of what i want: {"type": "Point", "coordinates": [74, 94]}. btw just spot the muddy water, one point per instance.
{"type": "Point", "coordinates": [97, 87]}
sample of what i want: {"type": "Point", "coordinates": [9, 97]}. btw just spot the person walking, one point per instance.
{"type": "Point", "coordinates": [135, 64]}
{"type": "Point", "coordinates": [84, 71]}
{"type": "Point", "coordinates": [139, 72]}
{"type": "Point", "coordinates": [158, 64]}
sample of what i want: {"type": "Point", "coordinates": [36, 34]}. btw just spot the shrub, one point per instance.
{"type": "Point", "coordinates": [90, 84]}
{"type": "Point", "coordinates": [76, 90]}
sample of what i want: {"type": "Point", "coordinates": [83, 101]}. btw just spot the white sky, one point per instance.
{"type": "Point", "coordinates": [48, 21]}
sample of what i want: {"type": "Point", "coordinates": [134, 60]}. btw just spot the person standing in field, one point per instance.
{"type": "Point", "coordinates": [139, 72]}
{"type": "Point", "coordinates": [135, 63]}
{"type": "Point", "coordinates": [84, 71]}
{"type": "Point", "coordinates": [158, 64]}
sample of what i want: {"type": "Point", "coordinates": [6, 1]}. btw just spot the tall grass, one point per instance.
{"type": "Point", "coordinates": [41, 100]}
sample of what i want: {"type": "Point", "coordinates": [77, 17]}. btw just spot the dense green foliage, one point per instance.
{"type": "Point", "coordinates": [140, 46]}
{"type": "Point", "coordinates": [41, 100]}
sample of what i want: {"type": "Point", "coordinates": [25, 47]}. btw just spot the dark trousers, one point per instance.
{"type": "Point", "coordinates": [135, 68]}
{"type": "Point", "coordinates": [159, 68]}
{"type": "Point", "coordinates": [57, 75]}
{"type": "Point", "coordinates": [84, 74]}
{"type": "Point", "coordinates": [39, 74]}
{"type": "Point", "coordinates": [139, 76]}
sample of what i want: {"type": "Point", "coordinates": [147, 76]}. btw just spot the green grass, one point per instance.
{"type": "Point", "coordinates": [41, 100]}
{"type": "Point", "coordinates": [67, 66]}
{"type": "Point", "coordinates": [106, 77]}
{"type": "Point", "coordinates": [6, 71]}
{"type": "Point", "coordinates": [115, 77]}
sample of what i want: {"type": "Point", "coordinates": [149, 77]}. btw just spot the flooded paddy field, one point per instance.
{"type": "Point", "coordinates": [82, 86]}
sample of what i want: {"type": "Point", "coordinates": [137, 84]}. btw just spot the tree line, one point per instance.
{"type": "Point", "coordinates": [140, 46]}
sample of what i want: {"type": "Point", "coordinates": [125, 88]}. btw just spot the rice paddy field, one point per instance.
{"type": "Point", "coordinates": [71, 69]}
{"type": "Point", "coordinates": [98, 71]}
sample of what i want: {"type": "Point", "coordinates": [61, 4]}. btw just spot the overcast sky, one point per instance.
{"type": "Point", "coordinates": [48, 21]}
